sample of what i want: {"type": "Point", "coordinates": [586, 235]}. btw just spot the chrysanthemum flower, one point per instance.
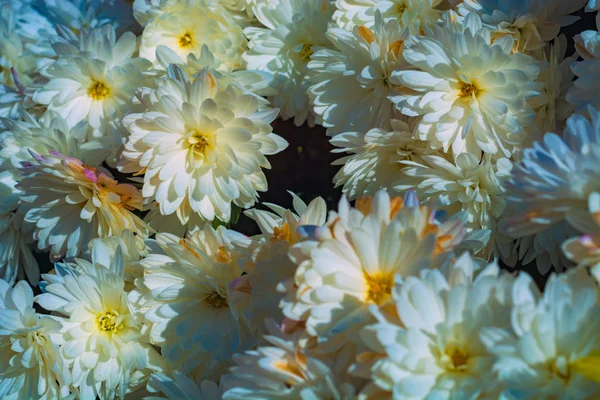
{"type": "Point", "coordinates": [414, 15]}
{"type": "Point", "coordinates": [101, 337]}
{"type": "Point", "coordinates": [292, 30]}
{"type": "Point", "coordinates": [465, 184]}
{"type": "Point", "coordinates": [549, 336]}
{"type": "Point", "coordinates": [200, 146]}
{"type": "Point", "coordinates": [470, 93]}
{"type": "Point", "coordinates": [94, 80]}
{"type": "Point", "coordinates": [585, 88]}
{"type": "Point", "coordinates": [553, 182]}
{"type": "Point", "coordinates": [282, 371]}
{"type": "Point", "coordinates": [436, 350]}
{"type": "Point", "coordinates": [350, 83]}
{"type": "Point", "coordinates": [32, 367]}
{"type": "Point", "coordinates": [16, 258]}
{"type": "Point", "coordinates": [185, 297]}
{"type": "Point", "coordinates": [351, 263]}
{"type": "Point", "coordinates": [374, 160]}
{"type": "Point", "coordinates": [531, 23]}
{"type": "Point", "coordinates": [191, 25]}
{"type": "Point", "coordinates": [69, 203]}
{"type": "Point", "coordinates": [48, 133]}
{"type": "Point", "coordinates": [15, 58]}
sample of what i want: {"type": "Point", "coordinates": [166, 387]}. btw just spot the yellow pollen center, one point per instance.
{"type": "Point", "coordinates": [400, 8]}
{"type": "Point", "coordinates": [282, 233]}
{"type": "Point", "coordinates": [108, 321]}
{"type": "Point", "coordinates": [199, 143]}
{"type": "Point", "coordinates": [458, 357]}
{"type": "Point", "coordinates": [560, 367]}
{"type": "Point", "coordinates": [379, 287]}
{"type": "Point", "coordinates": [223, 254]}
{"type": "Point", "coordinates": [467, 90]}
{"type": "Point", "coordinates": [98, 90]}
{"type": "Point", "coordinates": [306, 52]}
{"type": "Point", "coordinates": [186, 40]}
{"type": "Point", "coordinates": [216, 300]}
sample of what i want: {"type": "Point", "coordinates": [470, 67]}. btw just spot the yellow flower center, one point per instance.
{"type": "Point", "coordinates": [223, 254]}
{"type": "Point", "coordinates": [216, 300]}
{"type": "Point", "coordinates": [467, 90]}
{"type": "Point", "coordinates": [98, 90]}
{"type": "Point", "coordinates": [379, 287]}
{"type": "Point", "coordinates": [306, 52]}
{"type": "Point", "coordinates": [108, 321]}
{"type": "Point", "coordinates": [457, 357]}
{"type": "Point", "coordinates": [186, 40]}
{"type": "Point", "coordinates": [282, 232]}
{"type": "Point", "coordinates": [400, 8]}
{"type": "Point", "coordinates": [200, 143]}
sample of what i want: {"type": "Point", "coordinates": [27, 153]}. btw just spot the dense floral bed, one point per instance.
{"type": "Point", "coordinates": [299, 199]}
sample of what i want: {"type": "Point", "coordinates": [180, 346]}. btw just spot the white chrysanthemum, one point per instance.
{"type": "Point", "coordinates": [255, 82]}
{"type": "Point", "coordinates": [31, 365]}
{"type": "Point", "coordinates": [270, 264]}
{"type": "Point", "coordinates": [282, 371]}
{"type": "Point", "coordinates": [350, 83]}
{"type": "Point", "coordinates": [42, 136]}
{"type": "Point", "coordinates": [585, 89]}
{"type": "Point", "coordinates": [465, 184]}
{"type": "Point", "coordinates": [585, 250]}
{"type": "Point", "coordinates": [549, 335]}
{"type": "Point", "coordinates": [553, 181]}
{"type": "Point", "coordinates": [186, 299]}
{"type": "Point", "coordinates": [436, 350]}
{"type": "Point", "coordinates": [201, 146]}
{"type": "Point", "coordinates": [470, 94]}
{"type": "Point", "coordinates": [186, 29]}
{"type": "Point", "coordinates": [70, 203]}
{"type": "Point", "coordinates": [16, 258]}
{"type": "Point", "coordinates": [181, 387]}
{"type": "Point", "coordinates": [552, 108]}
{"type": "Point", "coordinates": [415, 15]}
{"type": "Point", "coordinates": [531, 23]}
{"type": "Point", "coordinates": [292, 30]}
{"type": "Point", "coordinates": [375, 158]}
{"type": "Point", "coordinates": [351, 263]}
{"type": "Point", "coordinates": [101, 337]}
{"type": "Point", "coordinates": [94, 80]}
{"type": "Point", "coordinates": [14, 56]}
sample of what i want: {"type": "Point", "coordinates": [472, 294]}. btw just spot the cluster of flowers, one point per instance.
{"type": "Point", "coordinates": [133, 135]}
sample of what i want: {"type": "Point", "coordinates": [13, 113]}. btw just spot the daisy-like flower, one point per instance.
{"type": "Point", "coordinates": [549, 335]}
{"type": "Point", "coordinates": [185, 298]}
{"type": "Point", "coordinates": [553, 108]}
{"type": "Point", "coordinates": [32, 367]}
{"type": "Point", "coordinates": [465, 184]}
{"type": "Point", "coordinates": [552, 184]}
{"type": "Point", "coordinates": [101, 337]}
{"type": "Point", "coordinates": [270, 264]}
{"type": "Point", "coordinates": [48, 133]}
{"type": "Point", "coordinates": [414, 15]}
{"type": "Point", "coordinates": [470, 94]}
{"type": "Point", "coordinates": [374, 158]}
{"type": "Point", "coordinates": [189, 26]}
{"type": "Point", "coordinates": [584, 90]}
{"type": "Point", "coordinates": [94, 80]}
{"type": "Point", "coordinates": [69, 203]}
{"type": "Point", "coordinates": [531, 23]}
{"type": "Point", "coordinates": [351, 82]}
{"type": "Point", "coordinates": [350, 263]}
{"type": "Point", "coordinates": [201, 146]}
{"type": "Point", "coordinates": [292, 30]}
{"type": "Point", "coordinates": [16, 258]}
{"type": "Point", "coordinates": [181, 387]}
{"type": "Point", "coordinates": [436, 350]}
{"type": "Point", "coordinates": [282, 371]}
